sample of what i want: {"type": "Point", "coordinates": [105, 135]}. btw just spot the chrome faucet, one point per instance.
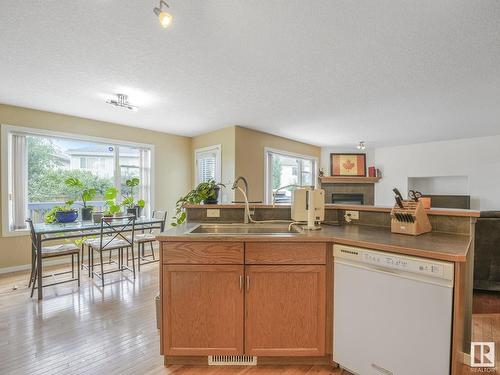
{"type": "Point", "coordinates": [245, 195]}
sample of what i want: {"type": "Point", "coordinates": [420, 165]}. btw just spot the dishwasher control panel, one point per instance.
{"type": "Point", "coordinates": [395, 262]}
{"type": "Point", "coordinates": [391, 261]}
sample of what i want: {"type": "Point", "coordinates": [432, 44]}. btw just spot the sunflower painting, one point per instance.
{"type": "Point", "coordinates": [353, 165]}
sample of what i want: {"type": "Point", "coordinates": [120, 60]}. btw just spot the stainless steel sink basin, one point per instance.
{"type": "Point", "coordinates": [242, 229]}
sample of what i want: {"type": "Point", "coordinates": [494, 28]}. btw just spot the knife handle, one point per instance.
{"type": "Point", "coordinates": [399, 201]}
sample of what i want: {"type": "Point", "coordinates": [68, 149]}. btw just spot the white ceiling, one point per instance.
{"type": "Point", "coordinates": [322, 71]}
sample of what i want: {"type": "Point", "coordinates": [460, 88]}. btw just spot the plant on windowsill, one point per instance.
{"type": "Point", "coordinates": [206, 192]}
{"type": "Point", "coordinates": [86, 194]}
{"type": "Point", "coordinates": [110, 206]}
{"type": "Point", "coordinates": [61, 214]}
{"type": "Point", "coordinates": [133, 207]}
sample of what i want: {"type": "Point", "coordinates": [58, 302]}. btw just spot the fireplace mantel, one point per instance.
{"type": "Point", "coordinates": [348, 180]}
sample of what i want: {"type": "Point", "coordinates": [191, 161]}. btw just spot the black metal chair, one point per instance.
{"type": "Point", "coordinates": [67, 249]}
{"type": "Point", "coordinates": [142, 239]}
{"type": "Point", "coordinates": [112, 237]}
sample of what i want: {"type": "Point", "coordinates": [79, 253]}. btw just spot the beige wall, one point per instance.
{"type": "Point", "coordinates": [226, 138]}
{"type": "Point", "coordinates": [173, 162]}
{"type": "Point", "coordinates": [249, 156]}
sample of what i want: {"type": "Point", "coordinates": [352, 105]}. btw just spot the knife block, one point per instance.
{"type": "Point", "coordinates": [420, 224]}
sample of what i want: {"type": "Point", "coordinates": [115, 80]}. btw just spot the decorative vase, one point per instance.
{"type": "Point", "coordinates": [86, 213]}
{"type": "Point", "coordinates": [66, 216]}
{"type": "Point", "coordinates": [215, 197]}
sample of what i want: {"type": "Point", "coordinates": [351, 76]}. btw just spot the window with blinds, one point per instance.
{"type": "Point", "coordinates": [39, 162]}
{"type": "Point", "coordinates": [208, 164]}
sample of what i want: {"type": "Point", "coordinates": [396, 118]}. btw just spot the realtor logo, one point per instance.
{"type": "Point", "coordinates": [482, 354]}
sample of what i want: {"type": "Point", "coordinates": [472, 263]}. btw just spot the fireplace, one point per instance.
{"type": "Point", "coordinates": [347, 198]}
{"type": "Point", "coordinates": [349, 193]}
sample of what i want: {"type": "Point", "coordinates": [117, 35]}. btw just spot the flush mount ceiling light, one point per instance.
{"type": "Point", "coordinates": [121, 101]}
{"type": "Point", "coordinates": [361, 145]}
{"type": "Point", "coordinates": [164, 17]}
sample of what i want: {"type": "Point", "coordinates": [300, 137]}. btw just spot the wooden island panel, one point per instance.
{"type": "Point", "coordinates": [202, 252]}
{"type": "Point", "coordinates": [285, 253]}
{"type": "Point", "coordinates": [202, 310]}
{"type": "Point", "coordinates": [285, 310]}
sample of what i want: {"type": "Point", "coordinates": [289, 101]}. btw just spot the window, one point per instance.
{"type": "Point", "coordinates": [208, 164]}
{"type": "Point", "coordinates": [38, 163]}
{"type": "Point", "coordinates": [283, 169]}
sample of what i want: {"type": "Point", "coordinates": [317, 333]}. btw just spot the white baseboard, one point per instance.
{"type": "Point", "coordinates": [24, 267]}
{"type": "Point", "coordinates": [49, 262]}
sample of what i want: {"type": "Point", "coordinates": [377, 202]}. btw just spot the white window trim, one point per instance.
{"type": "Point", "coordinates": [6, 130]}
{"type": "Point", "coordinates": [218, 162]}
{"type": "Point", "coordinates": [268, 191]}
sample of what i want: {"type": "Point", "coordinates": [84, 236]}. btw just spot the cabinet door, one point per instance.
{"type": "Point", "coordinates": [285, 310]}
{"type": "Point", "coordinates": [203, 309]}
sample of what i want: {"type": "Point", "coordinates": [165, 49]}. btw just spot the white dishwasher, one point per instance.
{"type": "Point", "coordinates": [392, 313]}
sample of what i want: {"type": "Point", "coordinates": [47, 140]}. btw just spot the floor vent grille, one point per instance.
{"type": "Point", "coordinates": [232, 360]}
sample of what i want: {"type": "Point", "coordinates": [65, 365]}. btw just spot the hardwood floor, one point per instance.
{"type": "Point", "coordinates": [113, 331]}
{"type": "Point", "coordinates": [95, 331]}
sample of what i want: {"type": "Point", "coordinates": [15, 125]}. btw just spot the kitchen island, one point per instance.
{"type": "Point", "coordinates": [271, 295]}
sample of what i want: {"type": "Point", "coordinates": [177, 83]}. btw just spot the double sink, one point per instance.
{"type": "Point", "coordinates": [266, 229]}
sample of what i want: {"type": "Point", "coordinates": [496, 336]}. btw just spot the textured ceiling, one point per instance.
{"type": "Point", "coordinates": [321, 71]}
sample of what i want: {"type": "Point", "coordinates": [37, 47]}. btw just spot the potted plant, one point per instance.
{"type": "Point", "coordinates": [110, 206]}
{"type": "Point", "coordinates": [210, 190]}
{"type": "Point", "coordinates": [206, 192]}
{"type": "Point", "coordinates": [61, 214]}
{"type": "Point", "coordinates": [133, 207]}
{"type": "Point", "coordinates": [86, 194]}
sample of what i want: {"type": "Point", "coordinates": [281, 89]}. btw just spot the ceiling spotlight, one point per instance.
{"type": "Point", "coordinates": [164, 17]}
{"type": "Point", "coordinates": [121, 101]}
{"type": "Point", "coordinates": [361, 145]}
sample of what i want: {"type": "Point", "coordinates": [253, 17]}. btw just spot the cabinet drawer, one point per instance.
{"type": "Point", "coordinates": [285, 253]}
{"type": "Point", "coordinates": [202, 252]}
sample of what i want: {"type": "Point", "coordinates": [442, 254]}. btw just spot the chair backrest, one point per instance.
{"type": "Point", "coordinates": [116, 227]}
{"type": "Point", "coordinates": [160, 214]}
{"type": "Point", "coordinates": [32, 232]}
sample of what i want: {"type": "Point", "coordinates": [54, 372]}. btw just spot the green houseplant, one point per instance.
{"type": "Point", "coordinates": [133, 207]}
{"type": "Point", "coordinates": [206, 192]}
{"type": "Point", "coordinates": [110, 206]}
{"type": "Point", "coordinates": [61, 214]}
{"type": "Point", "coordinates": [85, 193]}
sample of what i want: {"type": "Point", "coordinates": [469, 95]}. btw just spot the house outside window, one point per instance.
{"type": "Point", "coordinates": [284, 168]}
{"type": "Point", "coordinates": [36, 163]}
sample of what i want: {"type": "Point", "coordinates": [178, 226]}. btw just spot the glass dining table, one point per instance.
{"type": "Point", "coordinates": [79, 229]}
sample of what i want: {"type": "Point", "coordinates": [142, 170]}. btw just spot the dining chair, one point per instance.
{"type": "Point", "coordinates": [54, 251]}
{"type": "Point", "coordinates": [142, 239]}
{"type": "Point", "coordinates": [112, 236]}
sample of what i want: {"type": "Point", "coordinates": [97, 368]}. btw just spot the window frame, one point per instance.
{"type": "Point", "coordinates": [268, 190]}
{"type": "Point", "coordinates": [6, 153]}
{"type": "Point", "coordinates": [218, 162]}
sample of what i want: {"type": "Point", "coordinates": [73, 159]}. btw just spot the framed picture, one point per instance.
{"type": "Point", "coordinates": [352, 165]}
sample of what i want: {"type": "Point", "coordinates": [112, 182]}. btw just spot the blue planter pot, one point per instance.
{"type": "Point", "coordinates": [66, 216]}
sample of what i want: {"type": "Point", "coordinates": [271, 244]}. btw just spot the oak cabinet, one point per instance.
{"type": "Point", "coordinates": [285, 310]}
{"type": "Point", "coordinates": [231, 298]}
{"type": "Point", "coordinates": [203, 309]}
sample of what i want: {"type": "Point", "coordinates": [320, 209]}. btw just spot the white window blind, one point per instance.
{"type": "Point", "coordinates": [208, 164]}
{"type": "Point", "coordinates": [18, 182]}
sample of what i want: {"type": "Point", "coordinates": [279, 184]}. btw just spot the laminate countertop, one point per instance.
{"type": "Point", "coordinates": [433, 245]}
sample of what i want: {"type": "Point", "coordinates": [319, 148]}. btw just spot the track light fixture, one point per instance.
{"type": "Point", "coordinates": [121, 101]}
{"type": "Point", "coordinates": [164, 17]}
{"type": "Point", "coordinates": [361, 145]}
